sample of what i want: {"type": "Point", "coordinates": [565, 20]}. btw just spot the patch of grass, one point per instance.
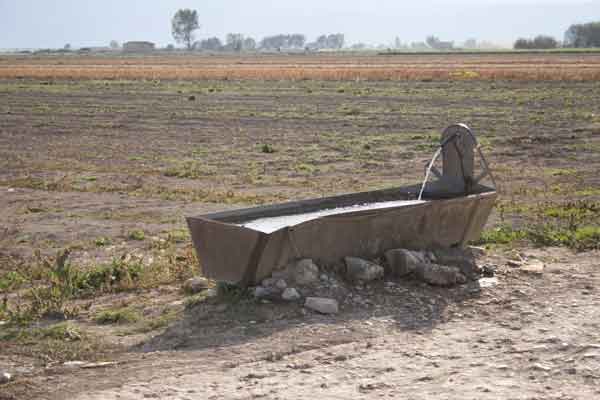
{"type": "Point", "coordinates": [137, 234]}
{"type": "Point", "coordinates": [102, 241]}
{"type": "Point", "coordinates": [580, 238]}
{"type": "Point", "coordinates": [178, 236]}
{"type": "Point", "coordinates": [55, 283]}
{"type": "Point", "coordinates": [267, 149]}
{"type": "Point", "coordinates": [351, 112]}
{"type": "Point", "coordinates": [561, 172]}
{"type": "Point", "coordinates": [571, 224]}
{"type": "Point", "coordinates": [501, 235]}
{"type": "Point", "coordinates": [11, 280]}
{"type": "Point", "coordinates": [588, 192]}
{"type": "Point", "coordinates": [118, 316]}
{"type": "Point", "coordinates": [194, 300]}
{"type": "Point", "coordinates": [53, 344]}
{"type": "Point", "coordinates": [190, 169]}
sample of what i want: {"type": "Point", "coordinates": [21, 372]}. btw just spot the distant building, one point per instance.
{"type": "Point", "coordinates": [138, 47]}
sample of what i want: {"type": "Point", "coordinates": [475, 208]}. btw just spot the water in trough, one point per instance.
{"type": "Point", "coordinates": [272, 224]}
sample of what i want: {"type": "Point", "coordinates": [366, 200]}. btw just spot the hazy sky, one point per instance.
{"type": "Point", "coordinates": [52, 23]}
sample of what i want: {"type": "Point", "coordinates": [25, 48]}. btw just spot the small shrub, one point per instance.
{"type": "Point", "coordinates": [102, 241]}
{"type": "Point", "coordinates": [178, 236]}
{"type": "Point", "coordinates": [136, 234]}
{"type": "Point", "coordinates": [267, 149]}
{"type": "Point", "coordinates": [11, 280]}
{"type": "Point", "coordinates": [119, 316]}
{"type": "Point", "coordinates": [501, 235]}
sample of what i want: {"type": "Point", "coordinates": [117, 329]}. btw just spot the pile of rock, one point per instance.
{"type": "Point", "coordinates": [303, 280]}
{"type": "Point", "coordinates": [317, 289]}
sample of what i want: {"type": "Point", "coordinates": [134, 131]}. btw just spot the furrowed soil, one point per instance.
{"type": "Point", "coordinates": [109, 169]}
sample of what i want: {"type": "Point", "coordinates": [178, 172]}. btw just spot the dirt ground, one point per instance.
{"type": "Point", "coordinates": [110, 168]}
{"type": "Point", "coordinates": [528, 337]}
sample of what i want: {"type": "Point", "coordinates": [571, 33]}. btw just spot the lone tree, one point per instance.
{"type": "Point", "coordinates": [183, 25]}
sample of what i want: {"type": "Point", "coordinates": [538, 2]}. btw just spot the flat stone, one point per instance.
{"type": "Point", "coordinates": [460, 258]}
{"type": "Point", "coordinates": [196, 285]}
{"type": "Point", "coordinates": [534, 267]}
{"type": "Point", "coordinates": [305, 272]}
{"type": "Point", "coordinates": [267, 293]}
{"type": "Point", "coordinates": [402, 262]}
{"type": "Point", "coordinates": [488, 282]}
{"type": "Point", "coordinates": [268, 282]}
{"type": "Point", "coordinates": [359, 270]}
{"type": "Point", "coordinates": [290, 294]}
{"type": "Point", "coordinates": [440, 275]}
{"type": "Point", "coordinates": [322, 305]}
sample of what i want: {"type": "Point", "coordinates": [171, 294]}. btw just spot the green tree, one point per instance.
{"type": "Point", "coordinates": [183, 26]}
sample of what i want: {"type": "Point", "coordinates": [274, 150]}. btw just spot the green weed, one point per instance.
{"type": "Point", "coordinates": [118, 316]}
{"type": "Point", "coordinates": [136, 234]}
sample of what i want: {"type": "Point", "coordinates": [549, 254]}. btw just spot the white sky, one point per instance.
{"type": "Point", "coordinates": [52, 23]}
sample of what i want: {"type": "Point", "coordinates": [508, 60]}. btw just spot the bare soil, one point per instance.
{"type": "Point", "coordinates": [529, 337]}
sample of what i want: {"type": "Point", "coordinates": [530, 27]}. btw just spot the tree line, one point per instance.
{"type": "Point", "coordinates": [185, 23]}
{"type": "Point", "coordinates": [577, 36]}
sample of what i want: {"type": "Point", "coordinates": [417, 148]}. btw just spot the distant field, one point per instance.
{"type": "Point", "coordinates": [493, 66]}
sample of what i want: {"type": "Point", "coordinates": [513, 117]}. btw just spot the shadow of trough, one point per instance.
{"type": "Point", "coordinates": [283, 328]}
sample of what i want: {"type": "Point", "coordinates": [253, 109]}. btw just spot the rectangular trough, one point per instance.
{"type": "Point", "coordinates": [244, 246]}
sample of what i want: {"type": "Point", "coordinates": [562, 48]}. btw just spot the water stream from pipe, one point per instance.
{"type": "Point", "coordinates": [435, 156]}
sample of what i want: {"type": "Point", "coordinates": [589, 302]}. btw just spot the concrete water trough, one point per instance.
{"type": "Point", "coordinates": [244, 246]}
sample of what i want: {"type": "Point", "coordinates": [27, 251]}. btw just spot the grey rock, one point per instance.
{"type": "Point", "coordinates": [281, 284]}
{"type": "Point", "coordinates": [402, 262]}
{"type": "Point", "coordinates": [459, 258]}
{"type": "Point", "coordinates": [267, 293]}
{"type": "Point", "coordinates": [5, 377]}
{"type": "Point", "coordinates": [196, 285]}
{"type": "Point", "coordinates": [305, 272]}
{"type": "Point", "coordinates": [322, 305]}
{"type": "Point", "coordinates": [440, 275]}
{"type": "Point", "coordinates": [260, 292]}
{"type": "Point", "coordinates": [268, 282]}
{"type": "Point", "coordinates": [290, 294]}
{"type": "Point", "coordinates": [488, 282]}
{"type": "Point", "coordinates": [359, 270]}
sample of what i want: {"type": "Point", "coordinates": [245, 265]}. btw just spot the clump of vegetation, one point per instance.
{"type": "Point", "coordinates": [178, 236]}
{"type": "Point", "coordinates": [137, 234]}
{"type": "Point", "coordinates": [267, 149]}
{"type": "Point", "coordinates": [118, 316]}
{"type": "Point", "coordinates": [54, 343]}
{"type": "Point", "coordinates": [573, 224]}
{"type": "Point", "coordinates": [189, 169]}
{"type": "Point", "coordinates": [52, 284]}
{"type": "Point", "coordinates": [102, 241]}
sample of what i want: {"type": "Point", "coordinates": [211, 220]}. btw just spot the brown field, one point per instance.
{"type": "Point", "coordinates": [105, 156]}
{"type": "Point", "coordinates": [511, 66]}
